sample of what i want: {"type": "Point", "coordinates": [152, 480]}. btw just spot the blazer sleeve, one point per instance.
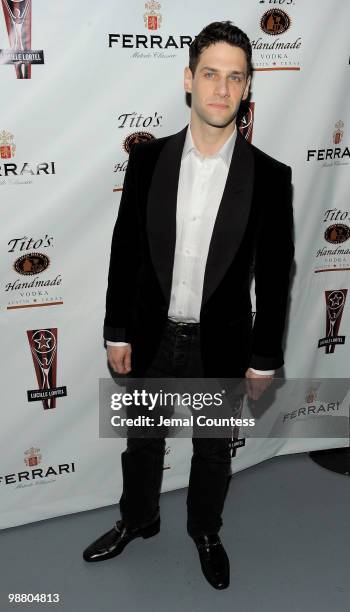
{"type": "Point", "coordinates": [125, 258]}
{"type": "Point", "coordinates": [273, 260]}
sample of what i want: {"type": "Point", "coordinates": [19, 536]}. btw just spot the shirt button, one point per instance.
{"type": "Point", "coordinates": [184, 282]}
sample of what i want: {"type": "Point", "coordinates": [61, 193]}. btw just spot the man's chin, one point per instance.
{"type": "Point", "coordinates": [220, 123]}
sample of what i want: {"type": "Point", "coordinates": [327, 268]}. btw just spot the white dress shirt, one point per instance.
{"type": "Point", "coordinates": [202, 181]}
{"type": "Point", "coordinates": [201, 184]}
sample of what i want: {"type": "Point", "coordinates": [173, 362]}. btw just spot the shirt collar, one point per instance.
{"type": "Point", "coordinates": [225, 152]}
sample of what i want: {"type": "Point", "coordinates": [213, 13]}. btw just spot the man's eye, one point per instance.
{"type": "Point", "coordinates": [208, 74]}
{"type": "Point", "coordinates": [235, 77]}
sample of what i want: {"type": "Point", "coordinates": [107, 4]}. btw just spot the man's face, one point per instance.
{"type": "Point", "coordinates": [219, 84]}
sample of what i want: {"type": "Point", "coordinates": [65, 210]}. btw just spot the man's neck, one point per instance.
{"type": "Point", "coordinates": [209, 139]}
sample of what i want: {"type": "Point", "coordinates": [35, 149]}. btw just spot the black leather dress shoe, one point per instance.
{"type": "Point", "coordinates": [113, 542]}
{"type": "Point", "coordinates": [214, 560]}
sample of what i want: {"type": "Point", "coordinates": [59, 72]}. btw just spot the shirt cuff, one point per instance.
{"type": "Point", "coordinates": [263, 372]}
{"type": "Point", "coordinates": [110, 343]}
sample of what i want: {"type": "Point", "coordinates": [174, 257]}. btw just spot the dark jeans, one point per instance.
{"type": "Point", "coordinates": [142, 462]}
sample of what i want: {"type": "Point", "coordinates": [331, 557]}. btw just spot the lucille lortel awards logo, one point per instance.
{"type": "Point", "coordinates": [18, 20]}
{"type": "Point", "coordinates": [43, 345]}
{"type": "Point", "coordinates": [335, 302]}
{"type": "Point", "coordinates": [247, 122]}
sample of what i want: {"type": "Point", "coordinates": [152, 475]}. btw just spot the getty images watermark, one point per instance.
{"type": "Point", "coordinates": [169, 401]}
{"type": "Point", "coordinates": [211, 408]}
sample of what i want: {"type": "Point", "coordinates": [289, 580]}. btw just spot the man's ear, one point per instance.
{"type": "Point", "coordinates": [188, 80]}
{"type": "Point", "coordinates": [246, 89]}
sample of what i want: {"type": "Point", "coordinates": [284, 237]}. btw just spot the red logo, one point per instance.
{"type": "Point", "coordinates": [7, 146]}
{"type": "Point", "coordinates": [338, 132]}
{"type": "Point", "coordinates": [152, 18]}
{"type": "Point", "coordinates": [32, 457]}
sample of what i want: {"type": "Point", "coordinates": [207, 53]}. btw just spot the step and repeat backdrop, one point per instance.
{"type": "Point", "coordinates": [81, 82]}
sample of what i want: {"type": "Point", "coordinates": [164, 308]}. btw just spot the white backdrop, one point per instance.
{"type": "Point", "coordinates": [62, 164]}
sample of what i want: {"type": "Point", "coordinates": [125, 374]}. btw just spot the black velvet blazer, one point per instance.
{"type": "Point", "coordinates": [252, 235]}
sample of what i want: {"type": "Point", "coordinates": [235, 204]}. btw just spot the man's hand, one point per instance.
{"type": "Point", "coordinates": [119, 358]}
{"type": "Point", "coordinates": [256, 384]}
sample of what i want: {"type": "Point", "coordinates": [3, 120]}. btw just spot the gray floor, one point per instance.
{"type": "Point", "coordinates": [286, 530]}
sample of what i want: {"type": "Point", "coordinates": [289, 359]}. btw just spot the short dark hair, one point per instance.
{"type": "Point", "coordinates": [220, 31]}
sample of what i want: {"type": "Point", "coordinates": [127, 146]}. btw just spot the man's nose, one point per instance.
{"type": "Point", "coordinates": [222, 88]}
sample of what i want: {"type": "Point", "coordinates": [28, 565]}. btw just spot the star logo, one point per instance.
{"type": "Point", "coordinates": [43, 342]}
{"type": "Point", "coordinates": [336, 300]}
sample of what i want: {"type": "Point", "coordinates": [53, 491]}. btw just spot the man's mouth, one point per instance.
{"type": "Point", "coordinates": [218, 105]}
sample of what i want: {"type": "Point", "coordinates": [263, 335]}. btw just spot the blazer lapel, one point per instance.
{"type": "Point", "coordinates": [161, 210]}
{"type": "Point", "coordinates": [232, 217]}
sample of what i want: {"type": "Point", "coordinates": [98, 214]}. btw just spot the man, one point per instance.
{"type": "Point", "coordinates": [198, 209]}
